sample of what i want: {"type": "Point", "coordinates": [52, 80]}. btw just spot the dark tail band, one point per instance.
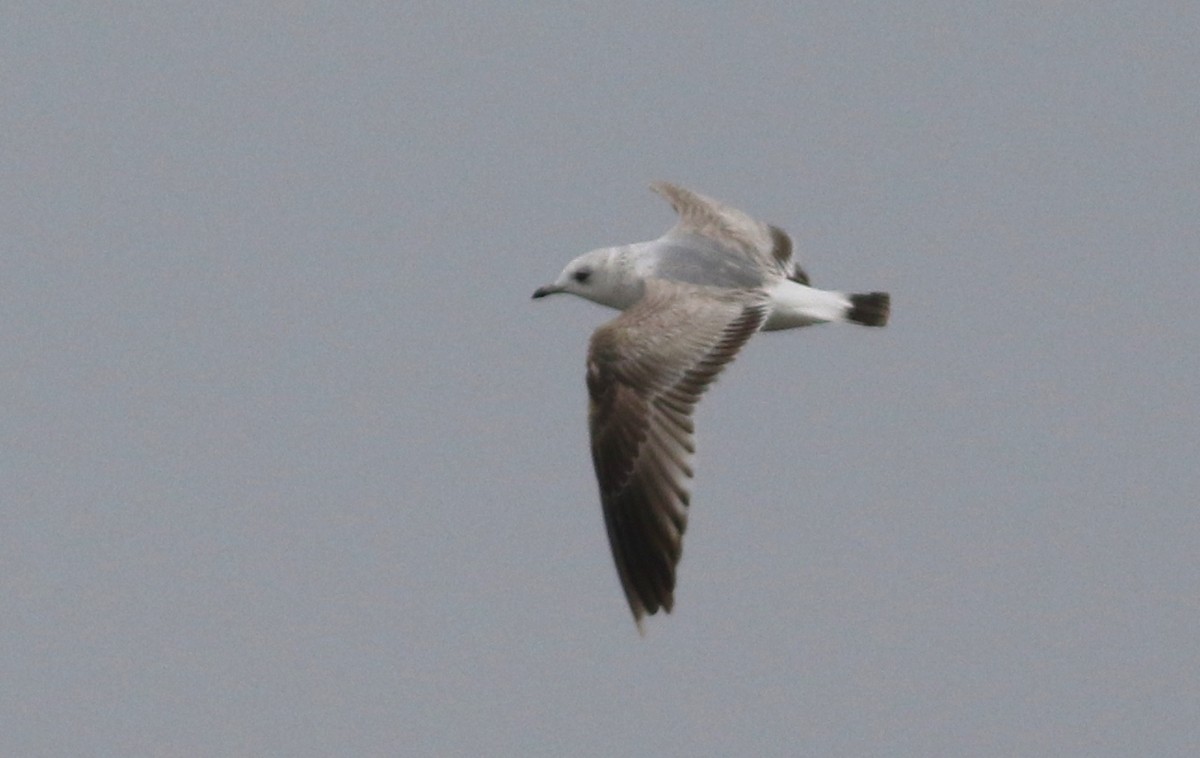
{"type": "Point", "coordinates": [871, 309]}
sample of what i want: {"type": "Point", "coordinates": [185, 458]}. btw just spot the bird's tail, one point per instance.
{"type": "Point", "coordinates": [870, 309]}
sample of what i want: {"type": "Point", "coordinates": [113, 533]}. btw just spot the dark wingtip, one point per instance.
{"type": "Point", "coordinates": [870, 309]}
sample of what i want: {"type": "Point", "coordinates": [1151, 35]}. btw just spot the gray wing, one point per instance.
{"type": "Point", "coordinates": [646, 371]}
{"type": "Point", "coordinates": [768, 248]}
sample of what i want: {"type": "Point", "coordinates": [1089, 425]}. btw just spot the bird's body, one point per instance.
{"type": "Point", "coordinates": [689, 301]}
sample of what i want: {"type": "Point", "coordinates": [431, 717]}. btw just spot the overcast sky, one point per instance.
{"type": "Point", "coordinates": [292, 464]}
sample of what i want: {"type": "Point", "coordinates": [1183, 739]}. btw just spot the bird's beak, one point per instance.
{"type": "Point", "coordinates": [549, 289]}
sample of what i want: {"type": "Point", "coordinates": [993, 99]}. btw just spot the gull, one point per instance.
{"type": "Point", "coordinates": [689, 300]}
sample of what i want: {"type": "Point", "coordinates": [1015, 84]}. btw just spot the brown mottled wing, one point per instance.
{"type": "Point", "coordinates": [646, 371]}
{"type": "Point", "coordinates": [768, 246]}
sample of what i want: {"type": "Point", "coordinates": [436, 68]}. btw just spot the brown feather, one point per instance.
{"type": "Point", "coordinates": [647, 369]}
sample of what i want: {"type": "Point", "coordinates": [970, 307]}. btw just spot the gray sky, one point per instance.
{"type": "Point", "coordinates": [293, 466]}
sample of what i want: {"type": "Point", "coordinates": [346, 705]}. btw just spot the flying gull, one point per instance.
{"type": "Point", "coordinates": [689, 300]}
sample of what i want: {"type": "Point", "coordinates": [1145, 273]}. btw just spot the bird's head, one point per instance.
{"type": "Point", "coordinates": [600, 276]}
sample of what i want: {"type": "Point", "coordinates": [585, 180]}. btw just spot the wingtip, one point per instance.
{"type": "Point", "coordinates": [679, 197]}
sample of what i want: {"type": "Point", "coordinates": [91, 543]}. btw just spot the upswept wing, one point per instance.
{"type": "Point", "coordinates": [769, 247]}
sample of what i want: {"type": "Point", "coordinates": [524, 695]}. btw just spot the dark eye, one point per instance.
{"type": "Point", "coordinates": [582, 275]}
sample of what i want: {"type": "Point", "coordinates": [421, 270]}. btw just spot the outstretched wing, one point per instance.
{"type": "Point", "coordinates": [646, 371]}
{"type": "Point", "coordinates": [769, 247]}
